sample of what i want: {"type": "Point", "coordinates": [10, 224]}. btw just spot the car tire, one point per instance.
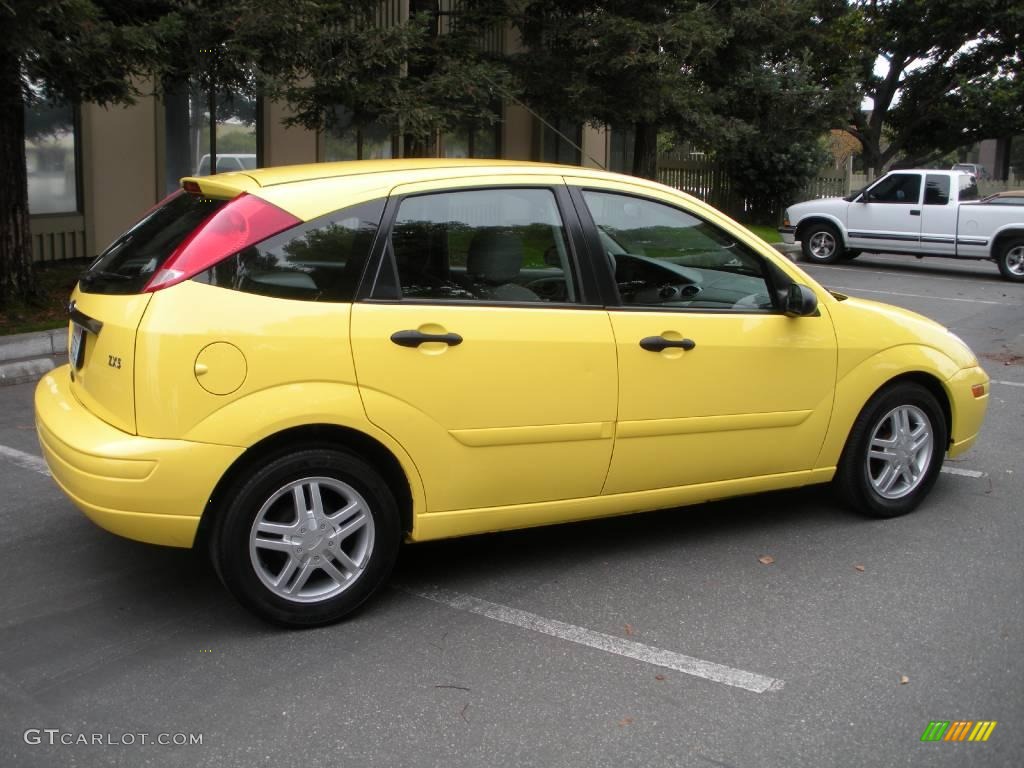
{"type": "Point", "coordinates": [1011, 259]}
{"type": "Point", "coordinates": [821, 244]}
{"type": "Point", "coordinates": [308, 537]}
{"type": "Point", "coordinates": [849, 255]}
{"type": "Point", "coordinates": [894, 452]}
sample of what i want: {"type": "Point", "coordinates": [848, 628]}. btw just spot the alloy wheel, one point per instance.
{"type": "Point", "coordinates": [899, 452]}
{"type": "Point", "coordinates": [312, 539]}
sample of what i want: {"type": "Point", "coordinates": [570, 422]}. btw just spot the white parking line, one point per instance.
{"type": "Point", "coordinates": [855, 291]}
{"type": "Point", "coordinates": [658, 657]}
{"type": "Point", "coordinates": [26, 460]}
{"type": "Point", "coordinates": [962, 472]}
{"type": "Point", "coordinates": [1009, 383]}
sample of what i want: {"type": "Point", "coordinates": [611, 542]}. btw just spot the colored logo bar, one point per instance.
{"type": "Point", "coordinates": [958, 730]}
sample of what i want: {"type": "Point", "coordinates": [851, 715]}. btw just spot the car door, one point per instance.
{"type": "Point", "coordinates": [938, 216]}
{"type": "Point", "coordinates": [715, 382]}
{"type": "Point", "coordinates": [887, 216]}
{"type": "Point", "coordinates": [478, 348]}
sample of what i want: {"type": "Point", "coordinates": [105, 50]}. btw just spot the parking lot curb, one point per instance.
{"type": "Point", "coordinates": [27, 356]}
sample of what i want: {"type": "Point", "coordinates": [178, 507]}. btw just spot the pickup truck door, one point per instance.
{"type": "Point", "coordinates": [887, 216]}
{"type": "Point", "coordinates": [938, 216]}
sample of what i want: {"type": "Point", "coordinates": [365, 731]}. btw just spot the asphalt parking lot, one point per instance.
{"type": "Point", "coordinates": [571, 646]}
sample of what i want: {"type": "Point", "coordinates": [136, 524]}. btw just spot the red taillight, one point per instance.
{"type": "Point", "coordinates": [242, 222]}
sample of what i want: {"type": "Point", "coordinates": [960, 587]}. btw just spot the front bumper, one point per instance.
{"type": "Point", "coordinates": [137, 487]}
{"type": "Point", "coordinates": [788, 234]}
{"type": "Point", "coordinates": [968, 411]}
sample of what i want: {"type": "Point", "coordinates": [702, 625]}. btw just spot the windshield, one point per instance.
{"type": "Point", "coordinates": [128, 263]}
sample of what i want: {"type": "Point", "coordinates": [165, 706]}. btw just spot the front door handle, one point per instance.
{"type": "Point", "coordinates": [915, 212]}
{"type": "Point", "coordinates": [415, 338]}
{"type": "Point", "coordinates": [658, 343]}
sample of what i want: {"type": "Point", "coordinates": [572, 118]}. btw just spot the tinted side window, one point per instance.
{"type": "Point", "coordinates": [664, 257]}
{"type": "Point", "coordinates": [968, 188]}
{"type": "Point", "coordinates": [489, 245]}
{"type": "Point", "coordinates": [897, 188]}
{"type": "Point", "coordinates": [936, 190]}
{"type": "Point", "coordinates": [321, 260]}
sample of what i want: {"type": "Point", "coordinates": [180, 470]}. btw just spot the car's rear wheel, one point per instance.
{"type": "Point", "coordinates": [308, 537]}
{"type": "Point", "coordinates": [894, 452]}
{"type": "Point", "coordinates": [821, 243]}
{"type": "Point", "coordinates": [1011, 259]}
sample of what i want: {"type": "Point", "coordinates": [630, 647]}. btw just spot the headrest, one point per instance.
{"type": "Point", "coordinates": [495, 256]}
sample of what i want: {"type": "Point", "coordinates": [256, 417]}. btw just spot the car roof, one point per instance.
{"type": "Point", "coordinates": [382, 173]}
{"type": "Point", "coordinates": [288, 174]}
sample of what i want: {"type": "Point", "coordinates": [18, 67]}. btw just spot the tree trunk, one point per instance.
{"type": "Point", "coordinates": [16, 276]}
{"type": "Point", "coordinates": [645, 151]}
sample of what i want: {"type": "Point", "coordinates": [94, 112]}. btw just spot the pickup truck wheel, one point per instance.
{"type": "Point", "coordinates": [821, 244]}
{"type": "Point", "coordinates": [1011, 260]}
{"type": "Point", "coordinates": [894, 452]}
{"type": "Point", "coordinates": [308, 537]}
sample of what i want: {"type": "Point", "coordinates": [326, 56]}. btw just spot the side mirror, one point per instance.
{"type": "Point", "coordinates": [801, 301]}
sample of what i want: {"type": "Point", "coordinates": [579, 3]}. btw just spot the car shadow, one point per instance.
{"type": "Point", "coordinates": [930, 266]}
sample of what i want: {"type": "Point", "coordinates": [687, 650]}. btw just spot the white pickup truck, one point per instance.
{"type": "Point", "coordinates": [917, 212]}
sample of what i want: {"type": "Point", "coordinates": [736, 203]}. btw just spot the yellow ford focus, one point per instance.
{"type": "Point", "coordinates": [297, 368]}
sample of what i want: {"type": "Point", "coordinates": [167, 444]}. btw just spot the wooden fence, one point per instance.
{"type": "Point", "coordinates": [710, 182]}
{"type": "Point", "coordinates": [56, 237]}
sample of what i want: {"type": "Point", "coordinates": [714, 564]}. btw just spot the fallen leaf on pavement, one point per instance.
{"type": "Point", "coordinates": [766, 559]}
{"type": "Point", "coordinates": [904, 679]}
{"type": "Point", "coordinates": [629, 629]}
{"type": "Point", "coordinates": [659, 677]}
{"type": "Point", "coordinates": [626, 721]}
{"type": "Point", "coordinates": [859, 568]}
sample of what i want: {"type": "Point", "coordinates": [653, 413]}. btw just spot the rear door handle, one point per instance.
{"type": "Point", "coordinates": [915, 213]}
{"type": "Point", "coordinates": [658, 343]}
{"type": "Point", "coordinates": [415, 338]}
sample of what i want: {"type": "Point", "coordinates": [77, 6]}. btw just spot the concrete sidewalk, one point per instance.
{"type": "Point", "coordinates": [27, 356]}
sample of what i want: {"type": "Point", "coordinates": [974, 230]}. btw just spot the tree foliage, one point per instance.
{"type": "Point", "coordinates": [951, 76]}
{"type": "Point", "coordinates": [623, 63]}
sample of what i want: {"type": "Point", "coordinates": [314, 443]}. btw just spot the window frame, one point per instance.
{"type": "Point", "coordinates": [381, 282]}
{"type": "Point", "coordinates": [77, 154]}
{"type": "Point", "coordinates": [777, 280]}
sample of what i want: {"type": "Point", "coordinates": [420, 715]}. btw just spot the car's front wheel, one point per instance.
{"type": "Point", "coordinates": [1011, 259]}
{"type": "Point", "coordinates": [821, 244]}
{"type": "Point", "coordinates": [308, 537]}
{"type": "Point", "coordinates": [894, 452]}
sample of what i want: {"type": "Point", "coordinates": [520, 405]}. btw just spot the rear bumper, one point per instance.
{"type": "Point", "coordinates": [968, 411]}
{"type": "Point", "coordinates": [137, 487]}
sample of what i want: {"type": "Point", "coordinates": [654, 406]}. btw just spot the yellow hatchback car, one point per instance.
{"type": "Point", "coordinates": [297, 368]}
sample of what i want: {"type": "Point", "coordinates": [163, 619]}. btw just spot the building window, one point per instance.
{"type": "Point", "coordinates": [236, 127]}
{"type": "Point", "coordinates": [51, 139]}
{"type": "Point", "coordinates": [621, 142]}
{"type": "Point", "coordinates": [347, 141]}
{"type": "Point", "coordinates": [470, 141]}
{"type": "Point", "coordinates": [555, 148]}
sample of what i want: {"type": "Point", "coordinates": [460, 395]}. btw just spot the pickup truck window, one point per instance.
{"type": "Point", "coordinates": [936, 190]}
{"type": "Point", "coordinates": [897, 188]}
{"type": "Point", "coordinates": [968, 188]}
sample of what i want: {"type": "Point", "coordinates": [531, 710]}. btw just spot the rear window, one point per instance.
{"type": "Point", "coordinates": [130, 261]}
{"type": "Point", "coordinates": [968, 188]}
